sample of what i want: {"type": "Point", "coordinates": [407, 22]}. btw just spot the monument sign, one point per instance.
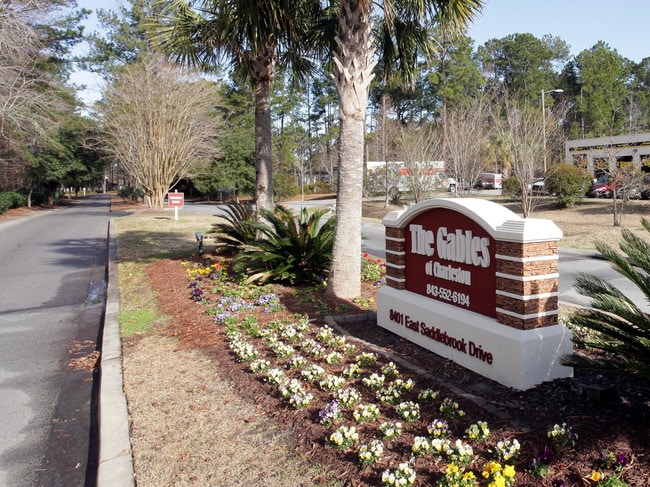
{"type": "Point", "coordinates": [472, 281]}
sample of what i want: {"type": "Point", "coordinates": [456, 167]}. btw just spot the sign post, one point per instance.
{"type": "Point", "coordinates": [176, 200]}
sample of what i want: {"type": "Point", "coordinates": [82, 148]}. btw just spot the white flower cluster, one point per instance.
{"type": "Point", "coordinates": [478, 431]}
{"type": "Point", "coordinates": [366, 359]}
{"type": "Point", "coordinates": [459, 452]}
{"type": "Point", "coordinates": [421, 446]}
{"type": "Point", "coordinates": [333, 357]}
{"type": "Point", "coordinates": [427, 396]}
{"type": "Point", "coordinates": [390, 370]}
{"type": "Point", "coordinates": [260, 365]}
{"type": "Point", "coordinates": [290, 387]}
{"type": "Point", "coordinates": [296, 362]}
{"type": "Point", "coordinates": [374, 381]}
{"type": "Point", "coordinates": [290, 333]}
{"type": "Point", "coordinates": [282, 349]}
{"type": "Point", "coordinates": [347, 397]}
{"type": "Point", "coordinates": [408, 411]}
{"type": "Point", "coordinates": [325, 334]}
{"type": "Point", "coordinates": [402, 476]}
{"type": "Point", "coordinates": [344, 437]}
{"type": "Point", "coordinates": [275, 376]}
{"type": "Point", "coordinates": [352, 371]}
{"type": "Point", "coordinates": [365, 413]}
{"type": "Point", "coordinates": [331, 382]}
{"type": "Point", "coordinates": [507, 450]}
{"type": "Point", "coordinates": [312, 372]}
{"type": "Point", "coordinates": [370, 453]}
{"type": "Point", "coordinates": [390, 430]}
{"type": "Point", "coordinates": [244, 351]}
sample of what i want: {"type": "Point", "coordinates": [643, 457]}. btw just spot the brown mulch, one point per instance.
{"type": "Point", "coordinates": [608, 413]}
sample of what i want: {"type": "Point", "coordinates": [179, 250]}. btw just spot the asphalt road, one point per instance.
{"type": "Point", "coordinates": [52, 284]}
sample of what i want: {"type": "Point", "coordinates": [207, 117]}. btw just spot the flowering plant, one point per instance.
{"type": "Point", "coordinates": [275, 376]}
{"type": "Point", "coordinates": [613, 461]}
{"type": "Point", "coordinates": [478, 431]}
{"type": "Point", "coordinates": [496, 475]}
{"type": "Point", "coordinates": [325, 334]}
{"type": "Point", "coordinates": [344, 437]}
{"type": "Point", "coordinates": [390, 370]}
{"type": "Point", "coordinates": [374, 381]}
{"type": "Point", "coordinates": [260, 365]}
{"type": "Point", "coordinates": [402, 476]}
{"type": "Point", "coordinates": [541, 464]}
{"type": "Point", "coordinates": [352, 371]}
{"type": "Point", "coordinates": [562, 436]}
{"type": "Point", "coordinates": [603, 480]}
{"type": "Point", "coordinates": [421, 446]}
{"type": "Point", "coordinates": [408, 411]}
{"type": "Point", "coordinates": [365, 413]}
{"type": "Point", "coordinates": [507, 451]}
{"type": "Point", "coordinates": [438, 428]}
{"type": "Point", "coordinates": [290, 387]}
{"type": "Point", "coordinates": [456, 477]}
{"type": "Point", "coordinates": [372, 268]}
{"type": "Point", "coordinates": [366, 359]}
{"type": "Point", "coordinates": [450, 409]}
{"type": "Point", "coordinates": [370, 453]}
{"type": "Point", "coordinates": [330, 414]}
{"type": "Point", "coordinates": [331, 382]}
{"type": "Point", "coordinates": [458, 452]}
{"type": "Point", "coordinates": [427, 396]}
{"type": "Point", "coordinates": [296, 362]}
{"type": "Point", "coordinates": [301, 399]}
{"type": "Point", "coordinates": [347, 397]}
{"type": "Point", "coordinates": [390, 430]}
{"type": "Point", "coordinates": [312, 372]}
{"type": "Point", "coordinates": [333, 357]}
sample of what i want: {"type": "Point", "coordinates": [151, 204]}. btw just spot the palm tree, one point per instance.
{"type": "Point", "coordinates": [405, 23]}
{"type": "Point", "coordinates": [252, 37]}
{"type": "Point", "coordinates": [621, 342]}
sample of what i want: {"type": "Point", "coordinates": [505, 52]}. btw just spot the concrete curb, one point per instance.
{"type": "Point", "coordinates": [115, 466]}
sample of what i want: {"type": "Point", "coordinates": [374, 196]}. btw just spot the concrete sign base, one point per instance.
{"type": "Point", "coordinates": [515, 358]}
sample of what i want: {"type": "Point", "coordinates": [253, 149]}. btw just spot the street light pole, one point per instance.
{"type": "Point", "coordinates": [558, 90]}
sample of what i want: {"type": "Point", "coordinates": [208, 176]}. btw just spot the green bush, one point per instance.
{"type": "Point", "coordinates": [284, 186]}
{"type": "Point", "coordinates": [38, 197]}
{"type": "Point", "coordinates": [11, 199]}
{"type": "Point", "coordinates": [567, 183]}
{"type": "Point", "coordinates": [512, 187]}
{"type": "Point", "coordinates": [130, 193]}
{"type": "Point", "coordinates": [619, 330]}
{"type": "Point", "coordinates": [292, 250]}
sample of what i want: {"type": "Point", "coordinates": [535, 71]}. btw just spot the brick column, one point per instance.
{"type": "Point", "coordinates": [527, 281]}
{"type": "Point", "coordinates": [395, 258]}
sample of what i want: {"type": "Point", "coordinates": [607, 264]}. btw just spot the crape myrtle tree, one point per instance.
{"type": "Point", "coordinates": [157, 122]}
{"type": "Point", "coordinates": [353, 59]}
{"type": "Point", "coordinates": [251, 37]}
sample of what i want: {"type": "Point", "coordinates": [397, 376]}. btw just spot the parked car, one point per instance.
{"type": "Point", "coordinates": [601, 188]}
{"type": "Point", "coordinates": [537, 187]}
{"type": "Point", "coordinates": [489, 180]}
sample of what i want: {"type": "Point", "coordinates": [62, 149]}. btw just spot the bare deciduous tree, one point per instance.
{"type": "Point", "coordinates": [467, 130]}
{"type": "Point", "coordinates": [523, 133]}
{"type": "Point", "coordinates": [158, 121]}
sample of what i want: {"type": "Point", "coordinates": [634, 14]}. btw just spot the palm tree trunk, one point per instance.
{"type": "Point", "coordinates": [263, 72]}
{"type": "Point", "coordinates": [353, 74]}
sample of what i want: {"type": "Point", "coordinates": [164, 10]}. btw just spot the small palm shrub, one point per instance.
{"type": "Point", "coordinates": [621, 330]}
{"type": "Point", "coordinates": [291, 251]}
{"type": "Point", "coordinates": [237, 231]}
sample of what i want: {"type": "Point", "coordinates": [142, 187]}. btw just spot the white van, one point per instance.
{"type": "Point", "coordinates": [489, 180]}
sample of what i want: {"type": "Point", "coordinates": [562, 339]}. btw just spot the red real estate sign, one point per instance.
{"type": "Point", "coordinates": [176, 200]}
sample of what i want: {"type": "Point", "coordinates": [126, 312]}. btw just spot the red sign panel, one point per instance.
{"type": "Point", "coordinates": [451, 258]}
{"type": "Point", "coordinates": [176, 200]}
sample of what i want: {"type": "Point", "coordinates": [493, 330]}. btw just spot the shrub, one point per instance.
{"type": "Point", "coordinates": [237, 231]}
{"type": "Point", "coordinates": [130, 193]}
{"type": "Point", "coordinates": [512, 187]}
{"type": "Point", "coordinates": [622, 329]}
{"type": "Point", "coordinates": [568, 183]}
{"type": "Point", "coordinates": [284, 186]}
{"type": "Point", "coordinates": [11, 199]}
{"type": "Point", "coordinates": [294, 251]}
